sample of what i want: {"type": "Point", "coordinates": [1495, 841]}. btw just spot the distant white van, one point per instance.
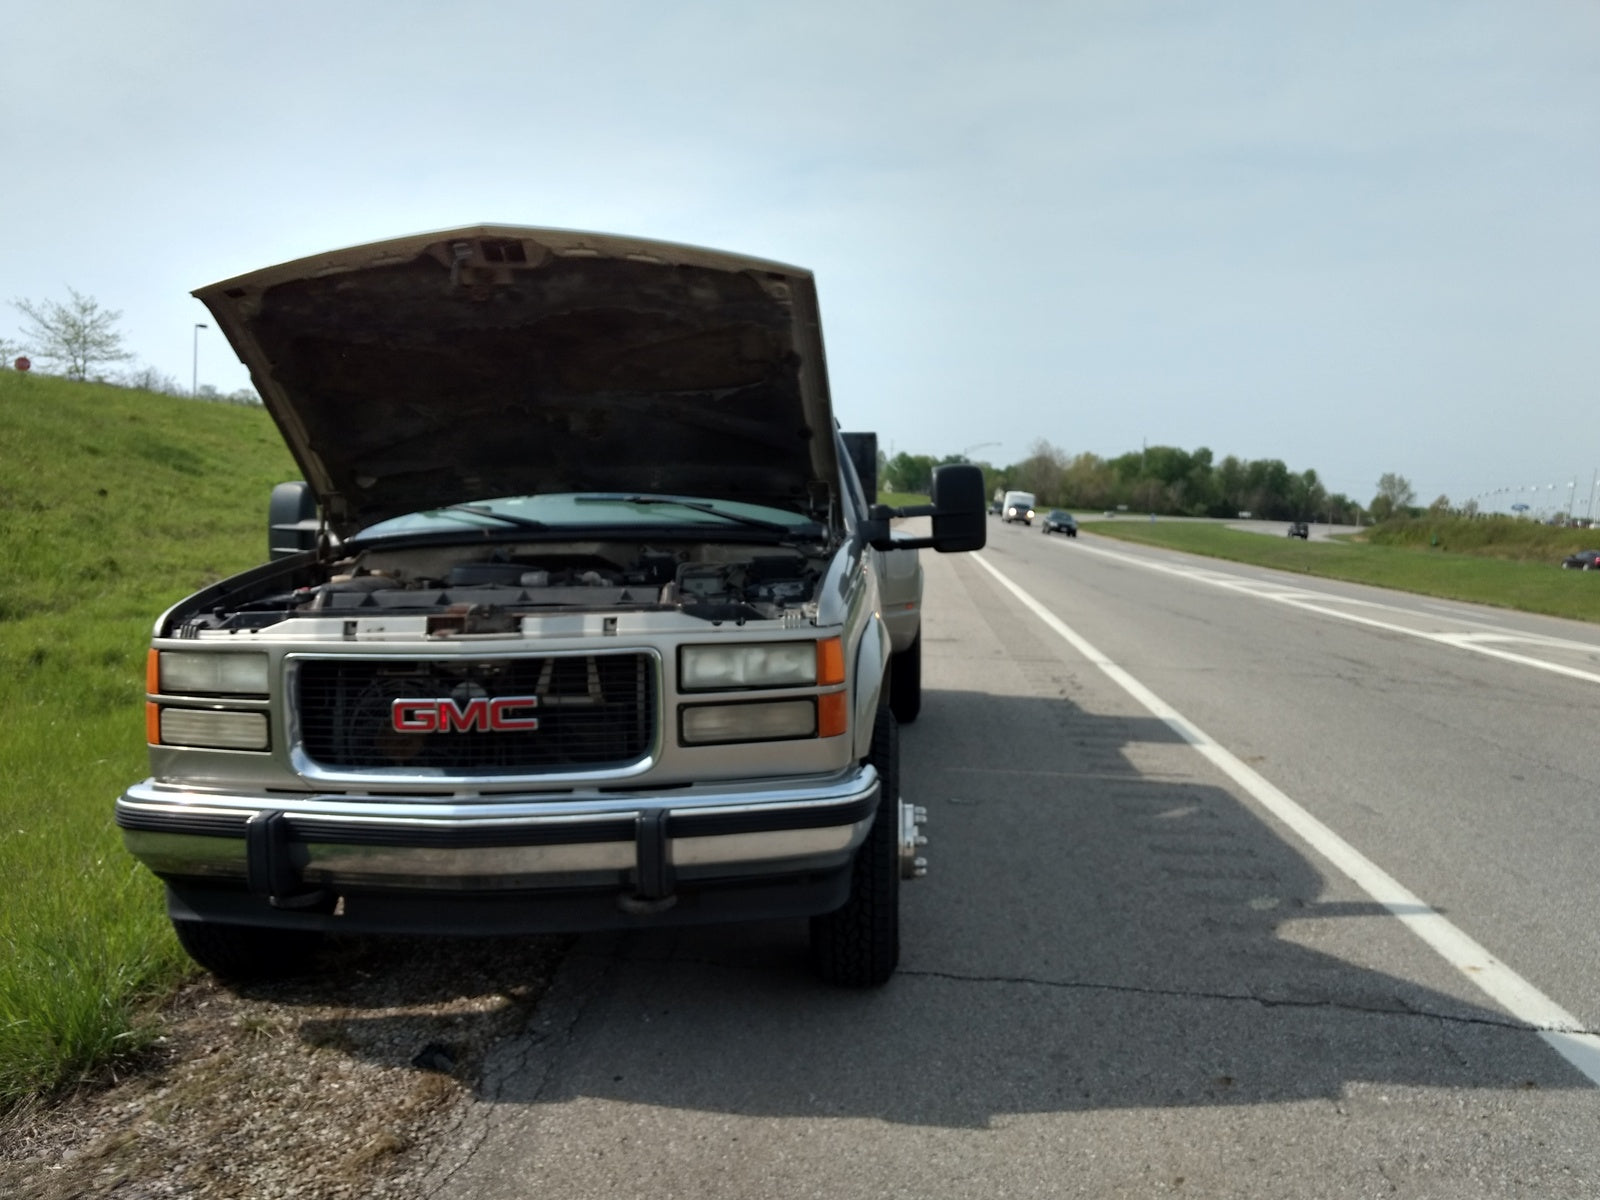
{"type": "Point", "coordinates": [1017, 506]}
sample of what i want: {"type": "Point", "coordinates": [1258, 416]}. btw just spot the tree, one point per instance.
{"type": "Point", "coordinates": [76, 336]}
{"type": "Point", "coordinates": [1266, 489]}
{"type": "Point", "coordinates": [1088, 481]}
{"type": "Point", "coordinates": [1307, 496]}
{"type": "Point", "coordinates": [908, 473]}
{"type": "Point", "coordinates": [1395, 494]}
{"type": "Point", "coordinates": [1040, 472]}
{"type": "Point", "coordinates": [151, 380]}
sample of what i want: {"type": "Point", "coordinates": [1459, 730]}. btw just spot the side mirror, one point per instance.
{"type": "Point", "coordinates": [958, 508]}
{"type": "Point", "coordinates": [957, 511]}
{"type": "Point", "coordinates": [292, 523]}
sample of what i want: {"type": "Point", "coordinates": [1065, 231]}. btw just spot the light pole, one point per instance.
{"type": "Point", "coordinates": [194, 376]}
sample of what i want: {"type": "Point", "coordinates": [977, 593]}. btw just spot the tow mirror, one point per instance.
{"type": "Point", "coordinates": [958, 508]}
{"type": "Point", "coordinates": [292, 524]}
{"type": "Point", "coordinates": [958, 511]}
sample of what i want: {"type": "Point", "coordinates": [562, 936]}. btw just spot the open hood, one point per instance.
{"type": "Point", "coordinates": [497, 360]}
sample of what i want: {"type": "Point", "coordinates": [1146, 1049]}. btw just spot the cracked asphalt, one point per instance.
{"type": "Point", "coordinates": [1121, 976]}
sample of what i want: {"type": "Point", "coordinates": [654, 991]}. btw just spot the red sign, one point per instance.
{"type": "Point", "coordinates": [22, 364]}
{"type": "Point", "coordinates": [503, 714]}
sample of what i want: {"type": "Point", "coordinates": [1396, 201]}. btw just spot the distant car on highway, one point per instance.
{"type": "Point", "coordinates": [1057, 521]}
{"type": "Point", "coordinates": [1300, 530]}
{"type": "Point", "coordinates": [1583, 560]}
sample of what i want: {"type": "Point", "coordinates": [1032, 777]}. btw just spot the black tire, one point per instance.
{"type": "Point", "coordinates": [859, 945]}
{"type": "Point", "coordinates": [248, 952]}
{"type": "Point", "coordinates": [905, 682]}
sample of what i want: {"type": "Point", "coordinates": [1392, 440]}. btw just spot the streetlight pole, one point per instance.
{"type": "Point", "coordinates": [194, 376]}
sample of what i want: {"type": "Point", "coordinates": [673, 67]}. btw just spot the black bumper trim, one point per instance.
{"type": "Point", "coordinates": [473, 914]}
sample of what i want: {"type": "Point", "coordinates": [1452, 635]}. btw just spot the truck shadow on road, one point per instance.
{"type": "Point", "coordinates": [1104, 926]}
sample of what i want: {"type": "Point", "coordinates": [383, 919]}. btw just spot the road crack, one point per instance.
{"type": "Point", "coordinates": [1508, 1023]}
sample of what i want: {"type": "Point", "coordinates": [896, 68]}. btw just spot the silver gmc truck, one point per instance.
{"type": "Point", "coordinates": [581, 617]}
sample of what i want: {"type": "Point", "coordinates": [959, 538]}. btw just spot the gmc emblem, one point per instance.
{"type": "Point", "coordinates": [501, 714]}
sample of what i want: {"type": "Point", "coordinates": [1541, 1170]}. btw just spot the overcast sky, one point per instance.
{"type": "Point", "coordinates": [1359, 237]}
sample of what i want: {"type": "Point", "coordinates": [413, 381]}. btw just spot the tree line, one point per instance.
{"type": "Point", "coordinates": [1164, 480]}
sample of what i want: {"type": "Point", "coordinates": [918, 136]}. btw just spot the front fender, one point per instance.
{"type": "Point", "coordinates": [872, 660]}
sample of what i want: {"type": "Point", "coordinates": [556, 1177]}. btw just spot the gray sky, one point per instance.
{"type": "Point", "coordinates": [1359, 237]}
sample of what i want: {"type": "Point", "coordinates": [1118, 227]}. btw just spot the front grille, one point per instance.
{"type": "Point", "coordinates": [595, 712]}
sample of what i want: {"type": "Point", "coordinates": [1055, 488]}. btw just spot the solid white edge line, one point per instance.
{"type": "Point", "coordinates": [1562, 1031]}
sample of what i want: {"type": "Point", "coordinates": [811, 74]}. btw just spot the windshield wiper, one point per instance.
{"type": "Point", "coordinates": [809, 529]}
{"type": "Point", "coordinates": [483, 510]}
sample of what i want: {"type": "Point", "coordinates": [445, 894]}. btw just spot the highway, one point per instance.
{"type": "Point", "coordinates": [1241, 885]}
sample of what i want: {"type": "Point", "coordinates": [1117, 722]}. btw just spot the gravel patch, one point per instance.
{"type": "Point", "coordinates": [342, 1084]}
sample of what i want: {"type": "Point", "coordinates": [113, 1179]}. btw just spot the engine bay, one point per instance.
{"type": "Point", "coordinates": [490, 588]}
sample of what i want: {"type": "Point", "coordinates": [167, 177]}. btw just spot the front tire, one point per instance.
{"type": "Point", "coordinates": [905, 682]}
{"type": "Point", "coordinates": [859, 945]}
{"type": "Point", "coordinates": [248, 953]}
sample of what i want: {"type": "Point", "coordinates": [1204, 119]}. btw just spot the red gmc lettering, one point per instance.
{"type": "Point", "coordinates": [502, 714]}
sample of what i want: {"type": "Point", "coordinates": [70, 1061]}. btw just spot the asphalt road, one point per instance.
{"type": "Point", "coordinates": [1157, 953]}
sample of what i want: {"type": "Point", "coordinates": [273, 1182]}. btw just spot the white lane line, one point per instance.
{"type": "Point", "coordinates": [1320, 604]}
{"type": "Point", "coordinates": [1562, 1031]}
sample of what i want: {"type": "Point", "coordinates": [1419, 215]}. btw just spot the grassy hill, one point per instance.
{"type": "Point", "coordinates": [114, 503]}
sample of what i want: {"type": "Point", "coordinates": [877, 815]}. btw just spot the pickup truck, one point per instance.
{"type": "Point", "coordinates": [580, 618]}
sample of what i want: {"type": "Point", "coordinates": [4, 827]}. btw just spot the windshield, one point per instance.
{"type": "Point", "coordinates": [570, 511]}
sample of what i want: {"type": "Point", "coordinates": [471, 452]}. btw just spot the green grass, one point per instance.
{"type": "Point", "coordinates": [1490, 537]}
{"type": "Point", "coordinates": [1536, 585]}
{"type": "Point", "coordinates": [902, 499]}
{"type": "Point", "coordinates": [113, 504]}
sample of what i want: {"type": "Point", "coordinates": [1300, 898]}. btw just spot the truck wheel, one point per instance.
{"type": "Point", "coordinates": [859, 945]}
{"type": "Point", "coordinates": [905, 682]}
{"type": "Point", "coordinates": [248, 952]}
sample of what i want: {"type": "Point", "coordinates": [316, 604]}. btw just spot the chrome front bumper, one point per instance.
{"type": "Point", "coordinates": [313, 853]}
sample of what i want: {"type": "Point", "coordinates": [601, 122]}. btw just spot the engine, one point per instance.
{"type": "Point", "coordinates": [712, 583]}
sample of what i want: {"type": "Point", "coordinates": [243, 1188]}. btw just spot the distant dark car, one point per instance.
{"type": "Point", "coordinates": [1300, 530]}
{"type": "Point", "coordinates": [1583, 560]}
{"type": "Point", "coordinates": [1061, 522]}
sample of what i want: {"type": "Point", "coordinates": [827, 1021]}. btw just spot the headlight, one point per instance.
{"type": "Point", "coordinates": [208, 727]}
{"type": "Point", "coordinates": [768, 721]}
{"type": "Point", "coordinates": [196, 672]}
{"type": "Point", "coordinates": [747, 665]}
